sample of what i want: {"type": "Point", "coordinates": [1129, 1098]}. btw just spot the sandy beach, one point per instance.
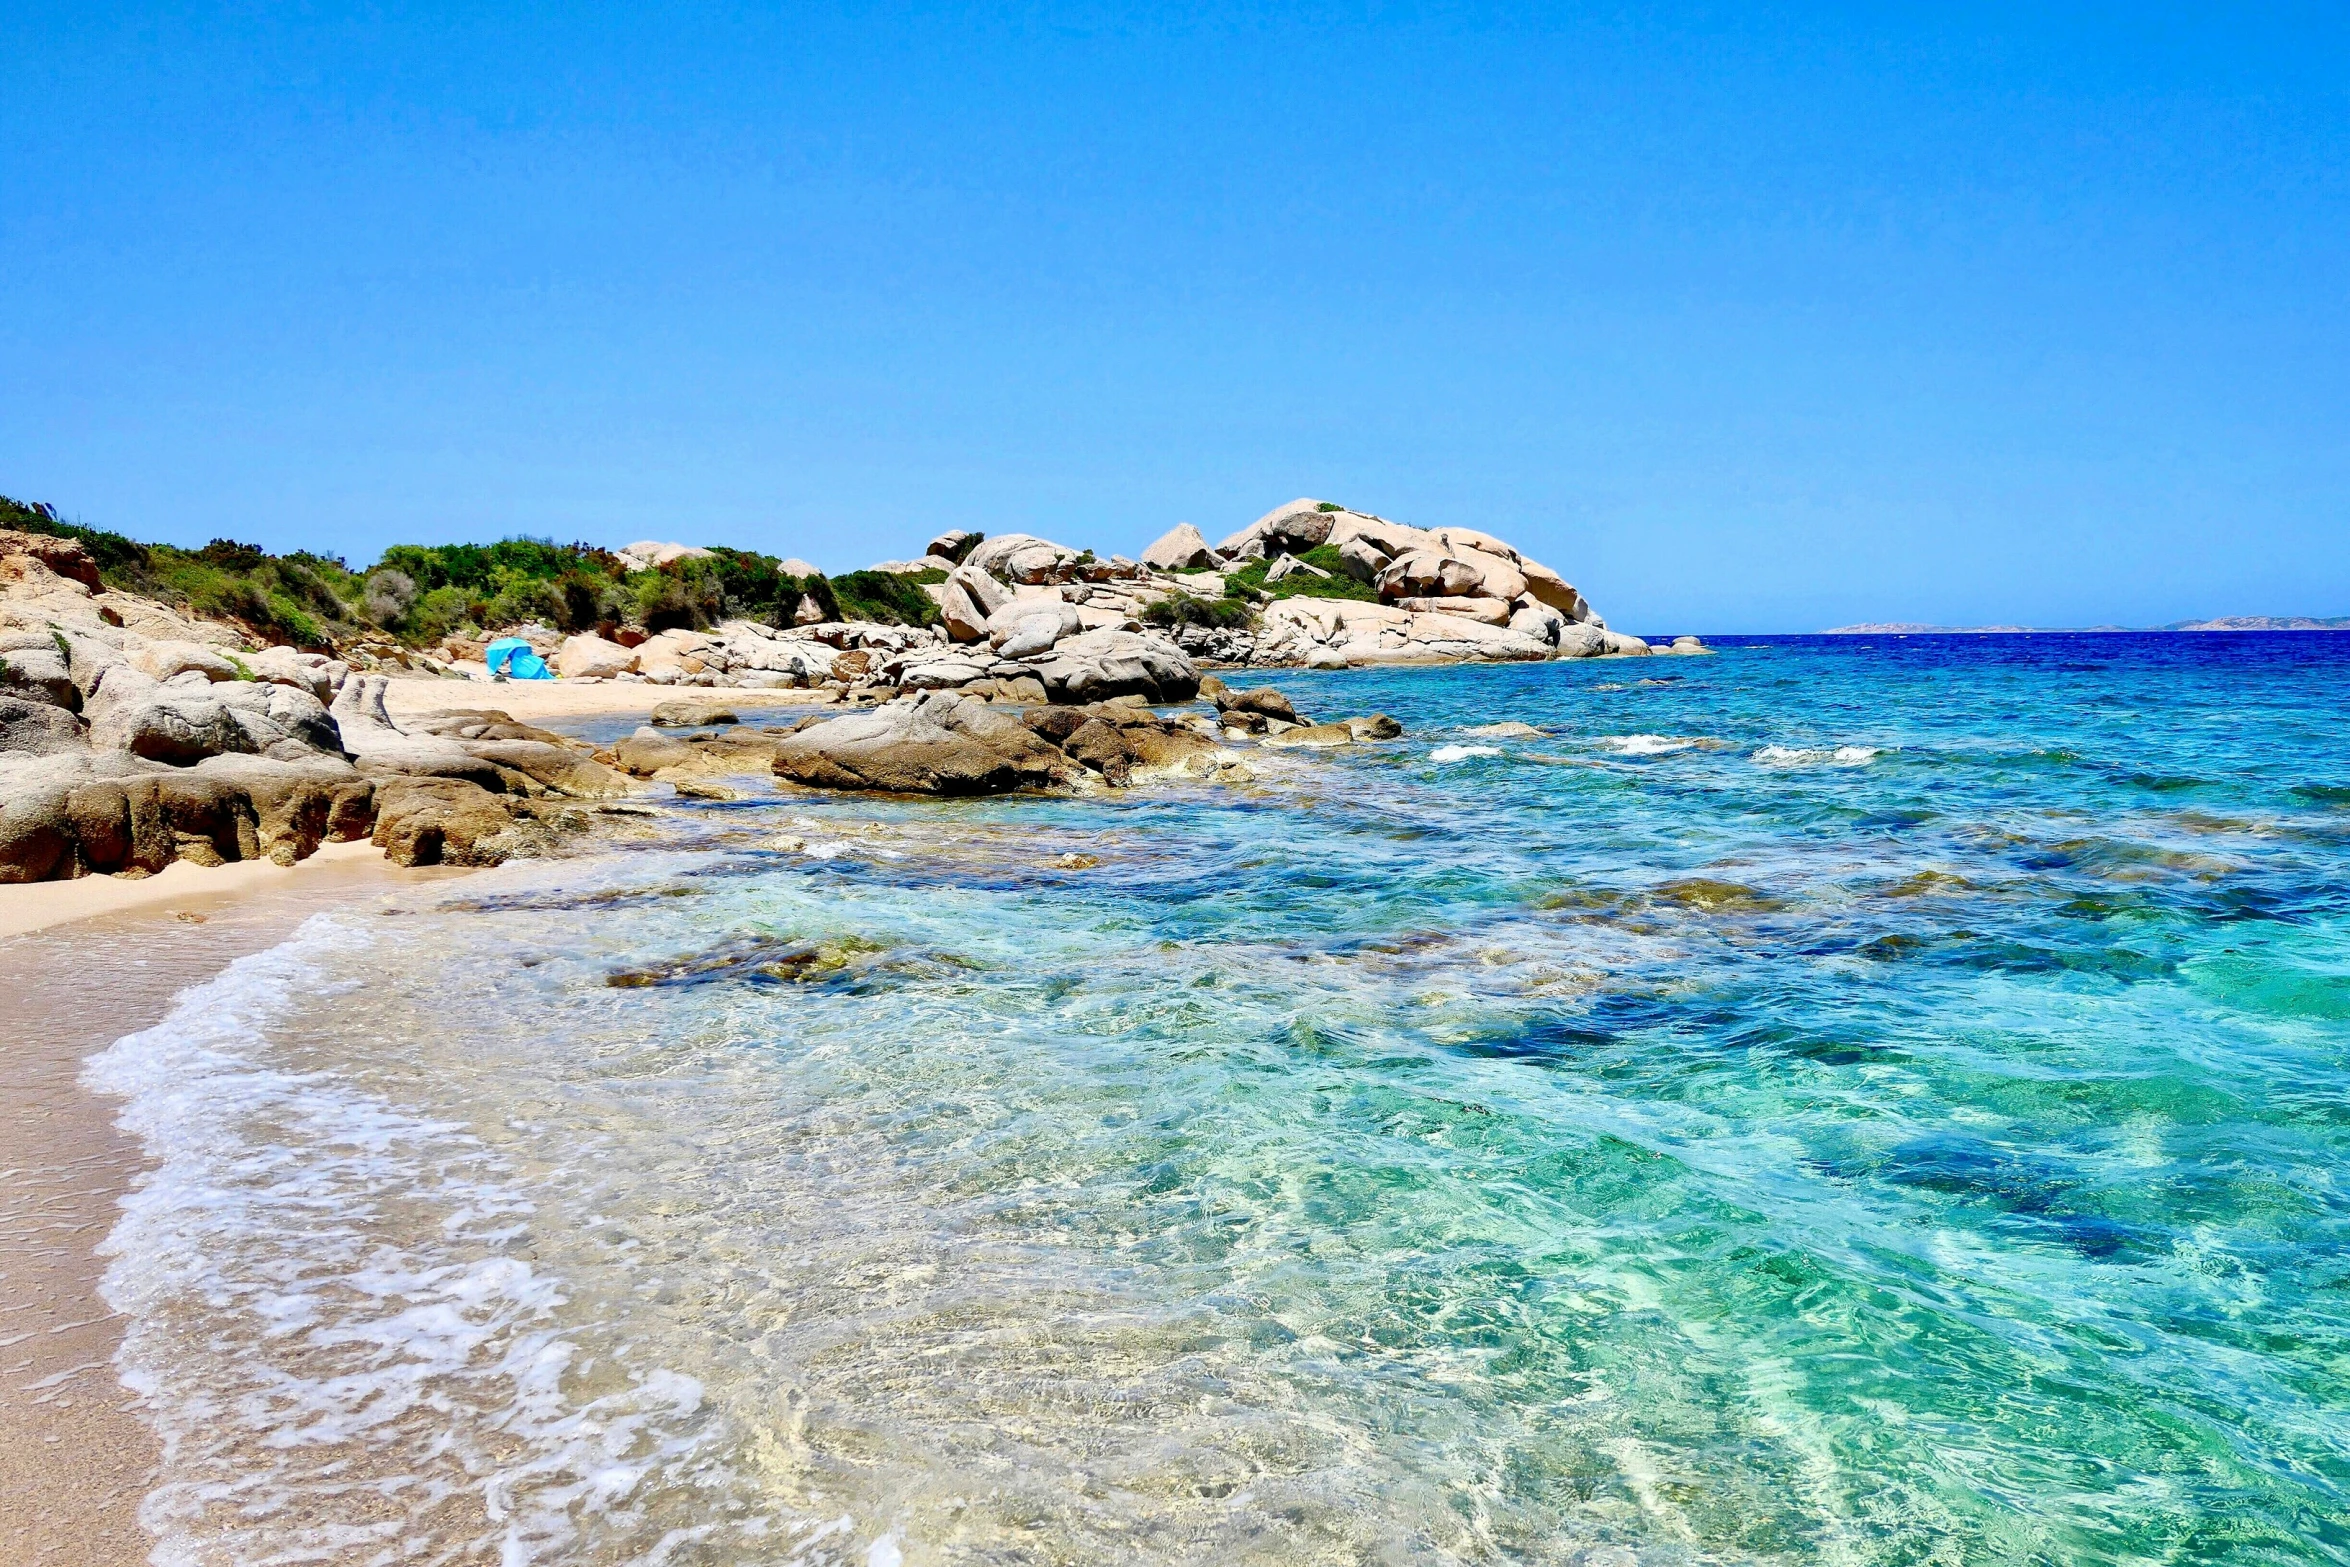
{"type": "Point", "coordinates": [82, 963]}
{"type": "Point", "coordinates": [539, 701]}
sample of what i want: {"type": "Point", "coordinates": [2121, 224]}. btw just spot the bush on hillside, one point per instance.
{"type": "Point", "coordinates": [1250, 577]}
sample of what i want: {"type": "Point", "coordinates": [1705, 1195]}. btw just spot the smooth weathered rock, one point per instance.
{"type": "Point", "coordinates": [1428, 574]}
{"type": "Point", "coordinates": [554, 769]}
{"type": "Point", "coordinates": [955, 545]}
{"type": "Point", "coordinates": [1538, 621]}
{"type": "Point", "coordinates": [1313, 735]}
{"type": "Point", "coordinates": [1145, 740]}
{"type": "Point", "coordinates": [309, 672]}
{"type": "Point", "coordinates": [87, 658]}
{"type": "Point", "coordinates": [941, 743]}
{"type": "Point", "coordinates": [1624, 644]}
{"type": "Point", "coordinates": [1375, 726]}
{"type": "Point", "coordinates": [1021, 557]}
{"type": "Point", "coordinates": [1498, 576]}
{"type": "Point", "coordinates": [1097, 665]}
{"type": "Point", "coordinates": [681, 654]}
{"type": "Point", "coordinates": [1264, 700]}
{"type": "Point", "coordinates": [383, 749]}
{"type": "Point", "coordinates": [650, 554]}
{"type": "Point", "coordinates": [691, 714]}
{"type": "Point", "coordinates": [1363, 559]}
{"type": "Point", "coordinates": [1491, 612]}
{"type": "Point", "coordinates": [946, 674]}
{"type": "Point", "coordinates": [36, 835]}
{"type": "Point", "coordinates": [1582, 640]}
{"type": "Point", "coordinates": [587, 654]}
{"type": "Point", "coordinates": [295, 806]}
{"type": "Point", "coordinates": [162, 660]}
{"type": "Point", "coordinates": [1548, 587]}
{"type": "Point", "coordinates": [1026, 628]}
{"type": "Point", "coordinates": [441, 821]}
{"type": "Point", "coordinates": [1181, 548]}
{"type": "Point", "coordinates": [967, 600]}
{"type": "Point", "coordinates": [134, 712]}
{"type": "Point", "coordinates": [648, 753]}
{"type": "Point", "coordinates": [1292, 529]}
{"type": "Point", "coordinates": [1104, 748]}
{"type": "Point", "coordinates": [33, 728]}
{"type": "Point", "coordinates": [33, 668]}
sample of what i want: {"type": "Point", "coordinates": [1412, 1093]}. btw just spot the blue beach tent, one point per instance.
{"type": "Point", "coordinates": [512, 657]}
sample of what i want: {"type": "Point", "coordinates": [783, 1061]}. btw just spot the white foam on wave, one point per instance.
{"type": "Point", "coordinates": [1461, 753]}
{"type": "Point", "coordinates": [338, 1345]}
{"type": "Point", "coordinates": [1646, 745]}
{"type": "Point", "coordinates": [1816, 756]}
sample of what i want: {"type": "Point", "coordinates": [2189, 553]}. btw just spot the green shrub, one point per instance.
{"type": "Point", "coordinates": [1182, 609]}
{"type": "Point", "coordinates": [885, 596]}
{"type": "Point", "coordinates": [1250, 577]}
{"type": "Point", "coordinates": [437, 613]}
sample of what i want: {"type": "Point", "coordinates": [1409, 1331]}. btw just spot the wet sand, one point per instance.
{"type": "Point", "coordinates": [75, 1456]}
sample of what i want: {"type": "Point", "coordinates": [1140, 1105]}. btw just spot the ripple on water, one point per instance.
{"type": "Point", "coordinates": [1929, 1157]}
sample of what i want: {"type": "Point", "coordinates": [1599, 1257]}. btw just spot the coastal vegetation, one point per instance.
{"type": "Point", "coordinates": [420, 594]}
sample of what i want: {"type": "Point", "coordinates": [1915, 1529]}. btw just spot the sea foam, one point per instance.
{"type": "Point", "coordinates": [330, 1322]}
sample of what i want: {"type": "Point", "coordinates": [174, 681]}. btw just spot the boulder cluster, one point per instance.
{"type": "Point", "coordinates": [132, 736]}
{"type": "Point", "coordinates": [953, 743]}
{"type": "Point", "coordinates": [1444, 595]}
{"type": "Point", "coordinates": [1026, 619]}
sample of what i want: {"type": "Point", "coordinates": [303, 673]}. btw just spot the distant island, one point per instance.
{"type": "Point", "coordinates": [1908, 628]}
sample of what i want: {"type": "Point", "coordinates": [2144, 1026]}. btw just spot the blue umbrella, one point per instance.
{"type": "Point", "coordinates": [512, 657]}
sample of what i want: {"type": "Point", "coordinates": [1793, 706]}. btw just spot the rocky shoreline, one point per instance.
{"type": "Point", "coordinates": [133, 735]}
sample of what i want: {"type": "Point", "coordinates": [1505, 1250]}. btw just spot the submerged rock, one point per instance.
{"type": "Point", "coordinates": [691, 714]}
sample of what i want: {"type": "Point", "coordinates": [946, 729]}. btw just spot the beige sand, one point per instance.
{"type": "Point", "coordinates": [30, 906]}
{"type": "Point", "coordinates": [75, 1457]}
{"type": "Point", "coordinates": [534, 701]}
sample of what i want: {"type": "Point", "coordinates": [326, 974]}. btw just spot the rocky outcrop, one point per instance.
{"type": "Point", "coordinates": [650, 554]}
{"type": "Point", "coordinates": [1021, 557]}
{"type": "Point", "coordinates": [939, 743]}
{"type": "Point", "coordinates": [1097, 665]}
{"type": "Point", "coordinates": [968, 600]}
{"type": "Point", "coordinates": [190, 716]}
{"type": "Point", "coordinates": [1452, 594]}
{"type": "Point", "coordinates": [448, 821]}
{"type": "Point", "coordinates": [588, 656]}
{"type": "Point", "coordinates": [948, 743]}
{"type": "Point", "coordinates": [1181, 548]}
{"type": "Point", "coordinates": [75, 813]}
{"type": "Point", "coordinates": [954, 545]}
{"type": "Point", "coordinates": [29, 728]}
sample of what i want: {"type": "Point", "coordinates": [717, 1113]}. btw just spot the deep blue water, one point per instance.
{"type": "Point", "coordinates": [1872, 1100]}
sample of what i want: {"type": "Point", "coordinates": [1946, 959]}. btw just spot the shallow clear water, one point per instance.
{"type": "Point", "coordinates": [1834, 1102]}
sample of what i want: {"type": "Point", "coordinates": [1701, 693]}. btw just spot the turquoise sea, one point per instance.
{"type": "Point", "coordinates": [1859, 1101]}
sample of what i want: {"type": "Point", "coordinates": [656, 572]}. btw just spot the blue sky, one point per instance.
{"type": "Point", "coordinates": [1747, 318]}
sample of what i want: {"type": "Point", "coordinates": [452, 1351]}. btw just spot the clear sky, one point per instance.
{"type": "Point", "coordinates": [1745, 317]}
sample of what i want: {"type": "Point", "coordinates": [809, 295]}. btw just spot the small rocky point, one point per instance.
{"type": "Point", "coordinates": [133, 734]}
